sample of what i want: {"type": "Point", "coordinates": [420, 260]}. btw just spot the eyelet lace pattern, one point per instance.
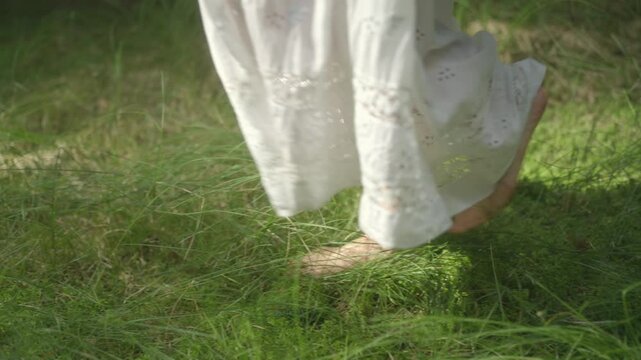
{"type": "Point", "coordinates": [331, 94]}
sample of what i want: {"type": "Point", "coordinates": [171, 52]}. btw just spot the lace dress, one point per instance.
{"type": "Point", "coordinates": [387, 94]}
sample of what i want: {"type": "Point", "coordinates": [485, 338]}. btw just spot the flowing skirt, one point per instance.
{"type": "Point", "coordinates": [387, 94]}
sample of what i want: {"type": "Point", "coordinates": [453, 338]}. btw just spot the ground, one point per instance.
{"type": "Point", "coordinates": [133, 224]}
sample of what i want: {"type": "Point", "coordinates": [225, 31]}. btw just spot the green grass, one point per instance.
{"type": "Point", "coordinates": [133, 224]}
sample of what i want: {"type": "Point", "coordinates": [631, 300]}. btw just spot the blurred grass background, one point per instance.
{"type": "Point", "coordinates": [133, 224]}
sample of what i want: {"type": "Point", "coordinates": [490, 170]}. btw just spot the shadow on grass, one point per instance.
{"type": "Point", "coordinates": [554, 255]}
{"type": "Point", "coordinates": [557, 256]}
{"type": "Point", "coordinates": [556, 273]}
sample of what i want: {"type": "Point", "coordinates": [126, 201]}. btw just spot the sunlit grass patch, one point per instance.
{"type": "Point", "coordinates": [133, 223]}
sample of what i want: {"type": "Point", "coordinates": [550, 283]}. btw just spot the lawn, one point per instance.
{"type": "Point", "coordinates": [133, 224]}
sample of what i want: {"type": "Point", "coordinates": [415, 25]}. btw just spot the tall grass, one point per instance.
{"type": "Point", "coordinates": [133, 224]}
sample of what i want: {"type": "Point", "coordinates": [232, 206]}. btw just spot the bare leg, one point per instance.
{"type": "Point", "coordinates": [485, 209]}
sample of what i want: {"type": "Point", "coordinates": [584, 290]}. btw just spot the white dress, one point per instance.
{"type": "Point", "coordinates": [387, 94]}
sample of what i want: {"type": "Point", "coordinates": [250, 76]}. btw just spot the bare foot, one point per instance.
{"type": "Point", "coordinates": [485, 209]}
{"type": "Point", "coordinates": [331, 260]}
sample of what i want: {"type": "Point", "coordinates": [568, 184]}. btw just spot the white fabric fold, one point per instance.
{"type": "Point", "coordinates": [390, 95]}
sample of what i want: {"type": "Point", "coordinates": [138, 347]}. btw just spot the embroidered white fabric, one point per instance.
{"type": "Point", "coordinates": [387, 94]}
